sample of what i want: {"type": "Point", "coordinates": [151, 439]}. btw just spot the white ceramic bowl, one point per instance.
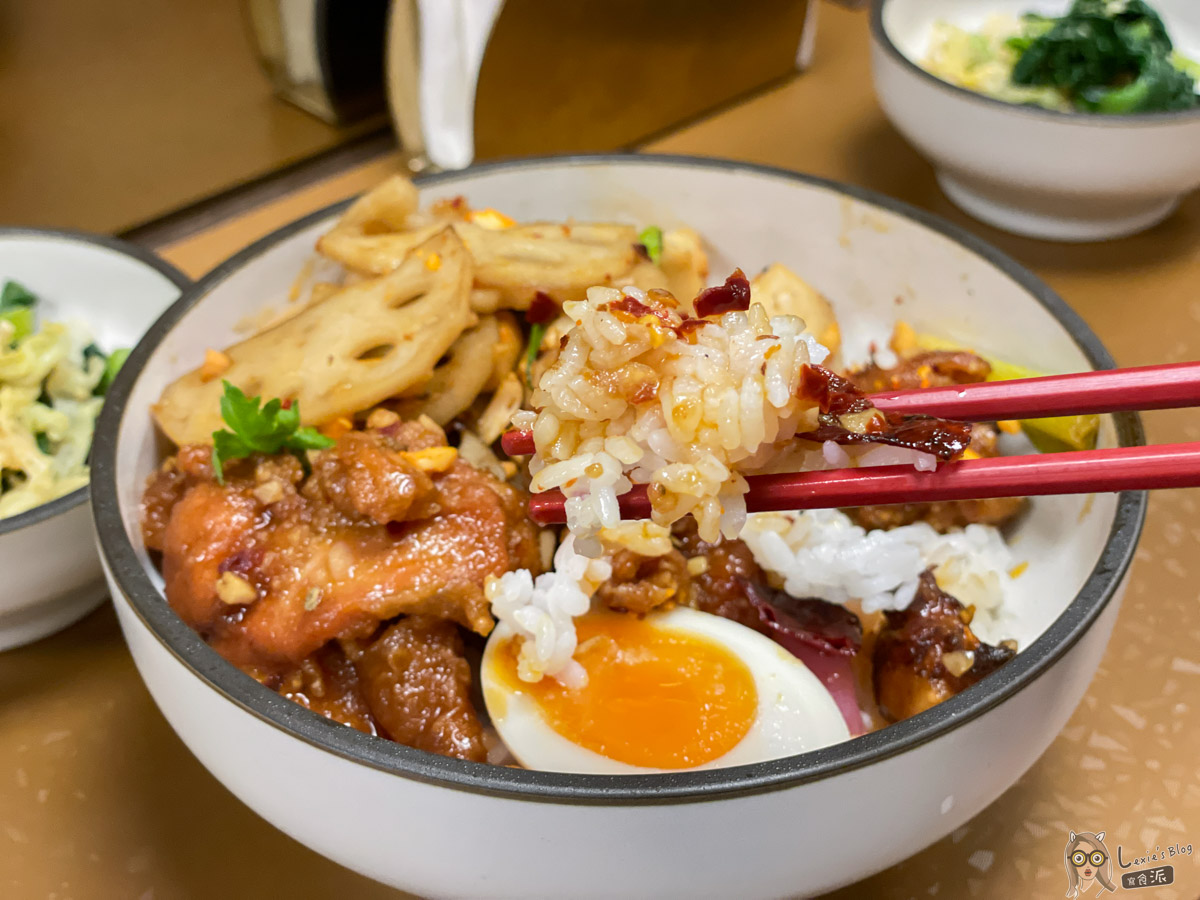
{"type": "Point", "coordinates": [1036, 172]}
{"type": "Point", "coordinates": [802, 825]}
{"type": "Point", "coordinates": [51, 572]}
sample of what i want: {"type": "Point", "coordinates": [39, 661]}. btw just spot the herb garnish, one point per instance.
{"type": "Point", "coordinates": [652, 239]}
{"type": "Point", "coordinates": [537, 331]}
{"type": "Point", "coordinates": [268, 430]}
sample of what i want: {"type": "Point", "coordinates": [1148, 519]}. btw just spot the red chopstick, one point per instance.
{"type": "Point", "coordinates": [1171, 386]}
{"type": "Point", "coordinates": [1077, 472]}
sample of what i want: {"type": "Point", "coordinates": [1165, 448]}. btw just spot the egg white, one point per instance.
{"type": "Point", "coordinates": [795, 712]}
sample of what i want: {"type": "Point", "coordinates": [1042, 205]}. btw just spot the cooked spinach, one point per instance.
{"type": "Point", "coordinates": [1108, 56]}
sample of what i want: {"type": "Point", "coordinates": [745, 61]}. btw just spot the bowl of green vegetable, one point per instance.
{"type": "Point", "coordinates": [1068, 120]}
{"type": "Point", "coordinates": [71, 306]}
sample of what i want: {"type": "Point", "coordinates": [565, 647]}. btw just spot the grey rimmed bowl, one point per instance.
{"type": "Point", "coordinates": [1036, 172]}
{"type": "Point", "coordinates": [51, 571]}
{"type": "Point", "coordinates": [795, 826]}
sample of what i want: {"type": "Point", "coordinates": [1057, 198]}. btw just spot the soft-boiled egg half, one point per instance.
{"type": "Point", "coordinates": [675, 690]}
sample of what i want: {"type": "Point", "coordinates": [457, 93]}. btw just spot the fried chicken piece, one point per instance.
{"type": "Point", "coordinates": [930, 368]}
{"type": "Point", "coordinates": [640, 584]}
{"type": "Point", "coordinates": [362, 476]}
{"type": "Point", "coordinates": [167, 486]}
{"type": "Point", "coordinates": [927, 653]}
{"type": "Point", "coordinates": [417, 684]}
{"type": "Point", "coordinates": [720, 588]}
{"type": "Point", "coordinates": [328, 684]}
{"type": "Point", "coordinates": [269, 567]}
{"type": "Point", "coordinates": [948, 515]}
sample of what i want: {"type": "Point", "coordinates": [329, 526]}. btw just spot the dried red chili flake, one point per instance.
{"type": "Point", "coordinates": [637, 309]}
{"type": "Point", "coordinates": [242, 562]}
{"type": "Point", "coordinates": [733, 295]}
{"type": "Point", "coordinates": [945, 440]}
{"type": "Point", "coordinates": [833, 394]}
{"type": "Point", "coordinates": [542, 310]}
{"type": "Point", "coordinates": [836, 397]}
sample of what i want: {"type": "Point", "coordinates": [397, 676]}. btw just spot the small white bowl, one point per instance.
{"type": "Point", "coordinates": [798, 826]}
{"type": "Point", "coordinates": [1032, 171]}
{"type": "Point", "coordinates": [51, 572]}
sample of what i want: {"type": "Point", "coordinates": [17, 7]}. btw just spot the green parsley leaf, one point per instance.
{"type": "Point", "coordinates": [14, 295]}
{"type": "Point", "coordinates": [112, 365]}
{"type": "Point", "coordinates": [652, 239]}
{"type": "Point", "coordinates": [308, 439]}
{"type": "Point", "coordinates": [226, 446]}
{"type": "Point", "coordinates": [268, 430]}
{"type": "Point", "coordinates": [43, 443]}
{"type": "Point", "coordinates": [536, 333]}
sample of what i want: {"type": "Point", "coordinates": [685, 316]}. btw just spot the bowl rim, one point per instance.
{"type": "Point", "coordinates": [144, 255]}
{"type": "Point", "coordinates": [880, 36]}
{"type": "Point", "coordinates": [149, 606]}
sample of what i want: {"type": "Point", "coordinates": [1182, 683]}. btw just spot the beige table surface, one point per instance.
{"type": "Point", "coordinates": [121, 111]}
{"type": "Point", "coordinates": [98, 798]}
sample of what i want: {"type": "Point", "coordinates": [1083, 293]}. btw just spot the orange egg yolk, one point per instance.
{"type": "Point", "coordinates": [655, 697]}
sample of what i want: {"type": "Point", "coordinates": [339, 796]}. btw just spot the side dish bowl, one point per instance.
{"type": "Point", "coordinates": [48, 555]}
{"type": "Point", "coordinates": [1063, 176]}
{"type": "Point", "coordinates": [801, 825]}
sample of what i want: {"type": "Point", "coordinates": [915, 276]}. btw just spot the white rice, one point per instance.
{"type": "Point", "coordinates": [722, 403]}
{"type": "Point", "coordinates": [816, 553]}
{"type": "Point", "coordinates": [822, 553]}
{"type": "Point", "coordinates": [542, 611]}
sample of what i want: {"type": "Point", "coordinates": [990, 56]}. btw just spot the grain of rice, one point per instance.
{"type": "Point", "coordinates": [822, 553]}
{"type": "Point", "coordinates": [725, 401]}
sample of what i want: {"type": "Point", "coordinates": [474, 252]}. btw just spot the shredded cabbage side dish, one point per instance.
{"type": "Point", "coordinates": [1102, 56]}
{"type": "Point", "coordinates": [52, 385]}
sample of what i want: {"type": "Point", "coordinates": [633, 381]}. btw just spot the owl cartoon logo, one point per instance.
{"type": "Point", "coordinates": [1088, 862]}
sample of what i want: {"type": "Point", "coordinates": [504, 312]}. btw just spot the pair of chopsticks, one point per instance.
{"type": "Point", "coordinates": [1173, 386]}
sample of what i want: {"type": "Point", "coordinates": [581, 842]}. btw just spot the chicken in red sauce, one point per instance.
{"type": "Point", "coordinates": [271, 566]}
{"type": "Point", "coordinates": [926, 653]}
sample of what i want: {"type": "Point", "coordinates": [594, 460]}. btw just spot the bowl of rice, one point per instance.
{"type": "Point", "coordinates": [622, 391]}
{"type": "Point", "coordinates": [71, 306]}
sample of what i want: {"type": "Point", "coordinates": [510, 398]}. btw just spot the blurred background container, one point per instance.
{"type": "Point", "coordinates": [120, 112]}
{"type": "Point", "coordinates": [325, 57]}
{"type": "Point", "coordinates": [560, 77]}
